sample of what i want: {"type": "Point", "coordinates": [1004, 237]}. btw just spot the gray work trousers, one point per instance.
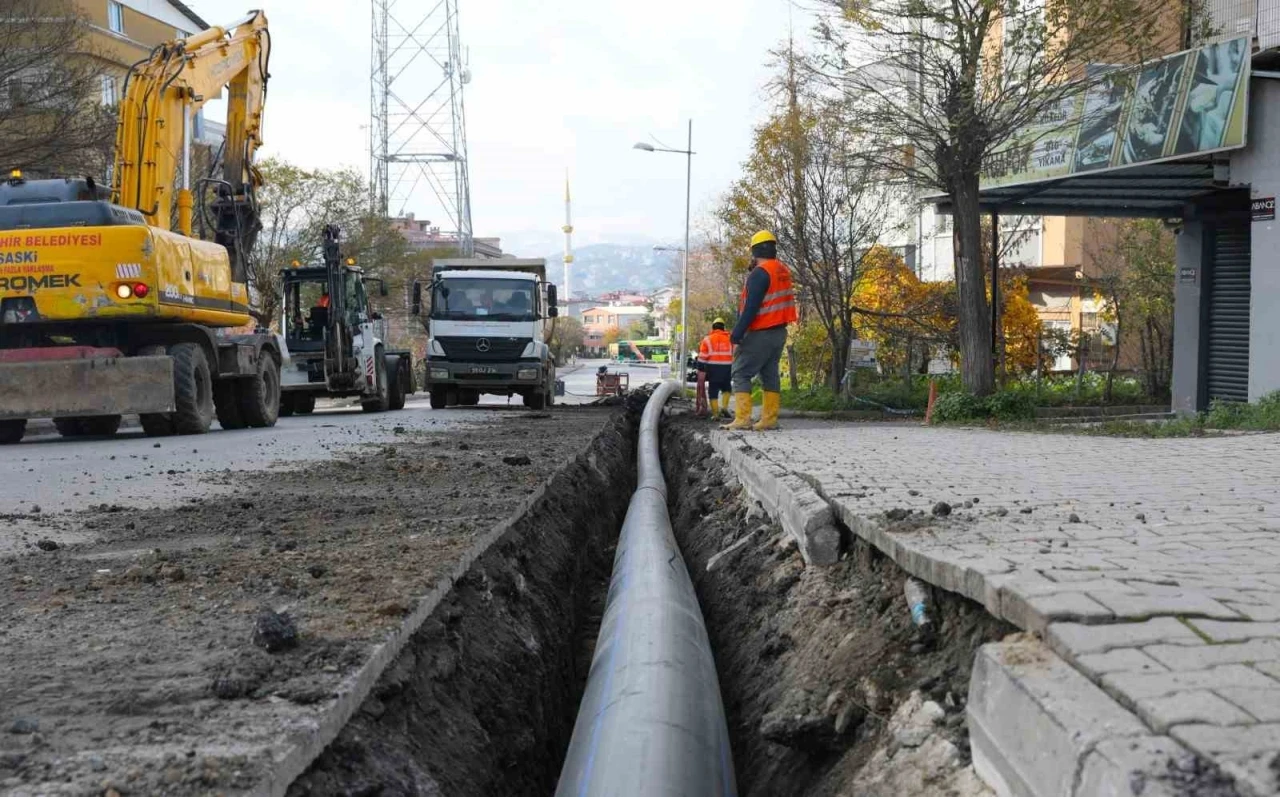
{"type": "Point", "coordinates": [759, 354]}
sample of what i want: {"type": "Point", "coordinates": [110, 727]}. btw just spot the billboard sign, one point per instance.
{"type": "Point", "coordinates": [1190, 103]}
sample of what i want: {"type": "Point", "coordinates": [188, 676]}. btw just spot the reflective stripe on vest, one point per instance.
{"type": "Point", "coordinates": [779, 305]}
{"type": "Point", "coordinates": [716, 348]}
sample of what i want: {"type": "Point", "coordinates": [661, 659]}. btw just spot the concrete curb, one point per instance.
{"type": "Point", "coordinates": [1039, 727]}
{"type": "Point", "coordinates": [801, 511]}
{"type": "Point", "coordinates": [303, 747]}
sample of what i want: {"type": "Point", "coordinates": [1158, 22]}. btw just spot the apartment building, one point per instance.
{"type": "Point", "coordinates": [122, 32]}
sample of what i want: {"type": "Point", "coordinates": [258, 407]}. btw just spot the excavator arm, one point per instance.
{"type": "Point", "coordinates": [153, 143]}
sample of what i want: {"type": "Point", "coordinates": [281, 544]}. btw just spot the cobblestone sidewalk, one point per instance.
{"type": "Point", "coordinates": [1152, 566]}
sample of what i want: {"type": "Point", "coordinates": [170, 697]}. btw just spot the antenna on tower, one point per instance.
{"type": "Point", "coordinates": [418, 119]}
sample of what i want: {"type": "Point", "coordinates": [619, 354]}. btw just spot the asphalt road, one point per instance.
{"type": "Point", "coordinates": [45, 476]}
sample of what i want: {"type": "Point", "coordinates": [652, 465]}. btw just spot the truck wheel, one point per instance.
{"type": "Point", "coordinates": [468, 398]}
{"type": "Point", "coordinates": [537, 400]}
{"type": "Point", "coordinates": [395, 388]}
{"type": "Point", "coordinates": [68, 427]}
{"type": "Point", "coordinates": [286, 405]}
{"type": "Point", "coordinates": [192, 389]}
{"type": "Point", "coordinates": [378, 402]}
{"type": "Point", "coordinates": [226, 402]}
{"type": "Point", "coordinates": [439, 398]}
{"type": "Point", "coordinates": [12, 431]}
{"type": "Point", "coordinates": [260, 394]}
{"type": "Point", "coordinates": [304, 403]}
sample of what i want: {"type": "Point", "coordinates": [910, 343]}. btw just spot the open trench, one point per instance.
{"type": "Point", "coordinates": [828, 687]}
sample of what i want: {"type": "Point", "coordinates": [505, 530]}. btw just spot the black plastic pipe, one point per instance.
{"type": "Point", "coordinates": [651, 723]}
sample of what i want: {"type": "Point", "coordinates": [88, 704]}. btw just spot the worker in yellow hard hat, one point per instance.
{"type": "Point", "coordinates": [767, 305]}
{"type": "Point", "coordinates": [715, 359]}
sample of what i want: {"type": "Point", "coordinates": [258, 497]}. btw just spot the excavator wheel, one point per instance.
{"type": "Point", "coordinates": [260, 394]}
{"type": "Point", "coordinates": [226, 403]}
{"type": "Point", "coordinates": [192, 389]}
{"type": "Point", "coordinates": [379, 402]}
{"type": "Point", "coordinates": [12, 431]}
{"type": "Point", "coordinates": [304, 403]}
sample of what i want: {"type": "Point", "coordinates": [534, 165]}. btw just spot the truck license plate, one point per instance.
{"type": "Point", "coordinates": [483, 369]}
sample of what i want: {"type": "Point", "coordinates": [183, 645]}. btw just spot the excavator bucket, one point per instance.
{"type": "Point", "coordinates": [88, 386]}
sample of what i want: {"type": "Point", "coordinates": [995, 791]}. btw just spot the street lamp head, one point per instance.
{"type": "Point", "coordinates": [644, 146]}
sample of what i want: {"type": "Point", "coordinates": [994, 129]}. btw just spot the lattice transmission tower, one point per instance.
{"type": "Point", "coordinates": [418, 119]}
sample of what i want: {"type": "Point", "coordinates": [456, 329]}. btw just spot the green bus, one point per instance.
{"type": "Point", "coordinates": [651, 351]}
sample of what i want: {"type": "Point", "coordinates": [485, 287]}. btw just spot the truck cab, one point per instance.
{"type": "Point", "coordinates": [488, 321]}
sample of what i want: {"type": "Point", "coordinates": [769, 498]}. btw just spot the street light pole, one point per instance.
{"type": "Point", "coordinates": [684, 276]}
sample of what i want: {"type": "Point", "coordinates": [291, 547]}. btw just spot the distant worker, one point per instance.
{"type": "Point", "coordinates": [715, 359]}
{"type": "Point", "coordinates": [324, 298]}
{"type": "Point", "coordinates": [767, 305]}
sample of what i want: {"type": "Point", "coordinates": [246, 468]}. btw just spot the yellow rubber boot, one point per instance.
{"type": "Point", "coordinates": [724, 405]}
{"type": "Point", "coordinates": [769, 415]}
{"type": "Point", "coordinates": [742, 413]}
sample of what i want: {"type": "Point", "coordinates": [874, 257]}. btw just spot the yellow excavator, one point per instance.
{"type": "Point", "coordinates": [105, 309]}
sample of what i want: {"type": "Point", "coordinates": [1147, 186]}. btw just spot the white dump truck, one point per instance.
{"type": "Point", "coordinates": [488, 324]}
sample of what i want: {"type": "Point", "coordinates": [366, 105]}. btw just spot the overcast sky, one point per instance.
{"type": "Point", "coordinates": [555, 85]}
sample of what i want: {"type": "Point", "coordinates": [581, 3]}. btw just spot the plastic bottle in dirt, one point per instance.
{"type": "Point", "coordinates": [917, 596]}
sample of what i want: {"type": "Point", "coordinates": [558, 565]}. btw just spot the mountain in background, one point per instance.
{"type": "Point", "coordinates": [600, 268]}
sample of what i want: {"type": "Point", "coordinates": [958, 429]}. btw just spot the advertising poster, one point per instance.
{"type": "Point", "coordinates": [1189, 103]}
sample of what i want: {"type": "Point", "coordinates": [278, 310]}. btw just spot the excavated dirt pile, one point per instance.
{"type": "Point", "coordinates": [829, 688]}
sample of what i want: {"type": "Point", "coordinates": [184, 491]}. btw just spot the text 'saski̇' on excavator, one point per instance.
{"type": "Point", "coordinates": [105, 310]}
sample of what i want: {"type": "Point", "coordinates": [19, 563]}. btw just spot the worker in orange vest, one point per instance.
{"type": "Point", "coordinates": [767, 305]}
{"type": "Point", "coordinates": [715, 359]}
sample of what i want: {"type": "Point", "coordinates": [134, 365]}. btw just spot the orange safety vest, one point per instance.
{"type": "Point", "coordinates": [324, 300]}
{"type": "Point", "coordinates": [716, 348]}
{"type": "Point", "coordinates": [779, 305]}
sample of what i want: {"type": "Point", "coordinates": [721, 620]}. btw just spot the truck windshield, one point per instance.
{"type": "Point", "coordinates": [463, 298]}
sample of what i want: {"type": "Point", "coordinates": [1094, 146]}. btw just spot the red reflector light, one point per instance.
{"type": "Point", "coordinates": [141, 290]}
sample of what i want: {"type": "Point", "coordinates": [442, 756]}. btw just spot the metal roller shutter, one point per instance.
{"type": "Point", "coordinates": [1229, 289]}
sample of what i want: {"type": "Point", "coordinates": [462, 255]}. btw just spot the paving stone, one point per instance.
{"type": "Point", "coordinates": [1246, 752]}
{"type": "Point", "coordinates": [1201, 657]}
{"type": "Point", "coordinates": [1226, 631]}
{"type": "Point", "coordinates": [1075, 639]}
{"type": "Point", "coordinates": [1261, 703]}
{"type": "Point", "coordinates": [1120, 768]}
{"type": "Point", "coordinates": [1139, 606]}
{"type": "Point", "coordinates": [1135, 686]}
{"type": "Point", "coordinates": [1119, 660]}
{"type": "Point", "coordinates": [1198, 706]}
{"type": "Point", "coordinates": [1034, 613]}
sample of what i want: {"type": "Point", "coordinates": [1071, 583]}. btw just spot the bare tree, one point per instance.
{"type": "Point", "coordinates": [946, 83]}
{"type": "Point", "coordinates": [52, 117]}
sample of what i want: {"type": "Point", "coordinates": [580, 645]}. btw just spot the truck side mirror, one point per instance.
{"type": "Point", "coordinates": [417, 297]}
{"type": "Point", "coordinates": [552, 309]}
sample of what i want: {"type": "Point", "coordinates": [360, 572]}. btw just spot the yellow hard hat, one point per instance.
{"type": "Point", "coordinates": [762, 237]}
{"type": "Point", "coordinates": [717, 321]}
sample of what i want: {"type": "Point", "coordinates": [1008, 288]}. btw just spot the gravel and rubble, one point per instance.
{"type": "Point", "coordinates": [184, 649]}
